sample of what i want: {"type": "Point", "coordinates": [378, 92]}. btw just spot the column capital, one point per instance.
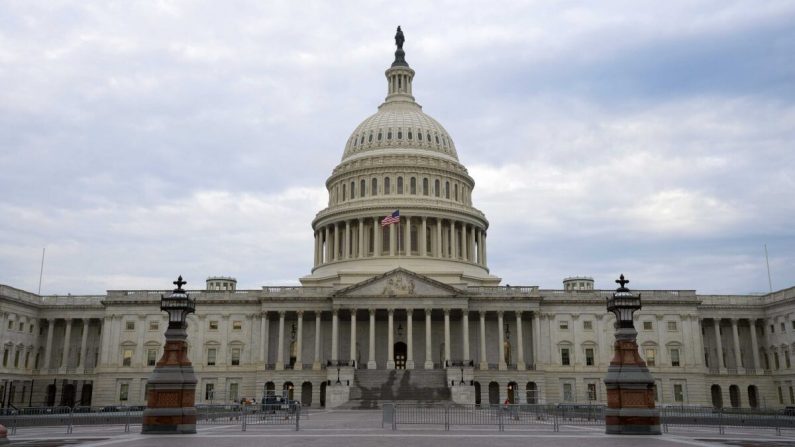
{"type": "Point", "coordinates": [446, 312]}
{"type": "Point", "coordinates": [372, 310]}
{"type": "Point", "coordinates": [428, 312]}
{"type": "Point", "coordinates": [465, 312]}
{"type": "Point", "coordinates": [300, 313]}
{"type": "Point", "coordinates": [518, 313]}
{"type": "Point", "coordinates": [500, 313]}
{"type": "Point", "coordinates": [391, 311]}
{"type": "Point", "coordinates": [282, 313]}
{"type": "Point", "coordinates": [734, 321]}
{"type": "Point", "coordinates": [85, 321]}
{"type": "Point", "coordinates": [335, 312]}
{"type": "Point", "coordinates": [482, 313]}
{"type": "Point", "coordinates": [599, 316]}
{"type": "Point", "coordinates": [264, 314]}
{"type": "Point", "coordinates": [659, 316]}
{"type": "Point", "coordinates": [409, 312]}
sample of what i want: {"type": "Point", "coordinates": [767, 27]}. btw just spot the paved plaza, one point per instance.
{"type": "Point", "coordinates": [363, 428]}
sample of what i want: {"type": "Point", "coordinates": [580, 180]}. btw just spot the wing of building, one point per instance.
{"type": "Point", "coordinates": [405, 309]}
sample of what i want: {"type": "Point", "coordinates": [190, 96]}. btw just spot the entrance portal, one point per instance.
{"type": "Point", "coordinates": [400, 355]}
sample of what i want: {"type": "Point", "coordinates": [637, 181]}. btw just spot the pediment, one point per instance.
{"type": "Point", "coordinates": [397, 283]}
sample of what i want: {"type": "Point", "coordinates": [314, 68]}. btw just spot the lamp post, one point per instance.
{"type": "Point", "coordinates": [630, 386]}
{"type": "Point", "coordinates": [172, 385]}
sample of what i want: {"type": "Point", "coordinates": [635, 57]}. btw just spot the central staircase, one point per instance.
{"type": "Point", "coordinates": [371, 387]}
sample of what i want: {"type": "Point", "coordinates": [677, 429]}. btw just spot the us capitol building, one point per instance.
{"type": "Point", "coordinates": [407, 311]}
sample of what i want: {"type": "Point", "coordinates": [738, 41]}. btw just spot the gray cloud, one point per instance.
{"type": "Point", "coordinates": [139, 141]}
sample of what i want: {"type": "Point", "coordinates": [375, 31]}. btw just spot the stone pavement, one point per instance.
{"type": "Point", "coordinates": [363, 428]}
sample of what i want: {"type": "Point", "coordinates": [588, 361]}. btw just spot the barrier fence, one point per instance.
{"type": "Point", "coordinates": [125, 416]}
{"type": "Point", "coordinates": [556, 416]}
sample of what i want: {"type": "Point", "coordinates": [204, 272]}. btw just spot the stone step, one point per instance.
{"type": "Point", "coordinates": [371, 387]}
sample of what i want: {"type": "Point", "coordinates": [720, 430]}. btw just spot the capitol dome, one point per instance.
{"type": "Point", "coordinates": [400, 161]}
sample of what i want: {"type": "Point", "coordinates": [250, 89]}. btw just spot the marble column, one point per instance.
{"type": "Point", "coordinates": [66, 338]}
{"type": "Point", "coordinates": [407, 237]}
{"type": "Point", "coordinates": [280, 347]}
{"type": "Point", "coordinates": [520, 365]}
{"type": "Point", "coordinates": [48, 348]}
{"type": "Point", "coordinates": [335, 337]}
{"type": "Point", "coordinates": [737, 355]}
{"type": "Point", "coordinates": [390, 361]}
{"type": "Point", "coordinates": [698, 359]}
{"type": "Point", "coordinates": [423, 237]}
{"type": "Point", "coordinates": [719, 343]}
{"type": "Point", "coordinates": [409, 339]}
{"type": "Point", "coordinates": [353, 337]}
{"type": "Point", "coordinates": [464, 242]}
{"type": "Point", "coordinates": [453, 240]}
{"type": "Point", "coordinates": [439, 253]}
{"type": "Point", "coordinates": [392, 240]}
{"type": "Point", "coordinates": [472, 244]}
{"type": "Point", "coordinates": [536, 327]}
{"type": "Point", "coordinates": [316, 363]}
{"type": "Point", "coordinates": [377, 237]}
{"type": "Point", "coordinates": [336, 255]}
{"type": "Point", "coordinates": [479, 238]}
{"type": "Point", "coordinates": [428, 348]}
{"type": "Point", "coordinates": [371, 346]}
{"type": "Point", "coordinates": [755, 346]}
{"type": "Point", "coordinates": [81, 361]}
{"type": "Point", "coordinates": [263, 337]}
{"type": "Point", "coordinates": [465, 335]}
{"type": "Point", "coordinates": [484, 363]}
{"type": "Point", "coordinates": [327, 256]}
{"type": "Point", "coordinates": [446, 338]}
{"type": "Point", "coordinates": [502, 365]}
{"type": "Point", "coordinates": [485, 255]}
{"type": "Point", "coordinates": [360, 254]}
{"type": "Point", "coordinates": [299, 341]}
{"type": "Point", "coordinates": [347, 246]}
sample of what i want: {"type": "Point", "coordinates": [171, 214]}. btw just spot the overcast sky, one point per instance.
{"type": "Point", "coordinates": [142, 140]}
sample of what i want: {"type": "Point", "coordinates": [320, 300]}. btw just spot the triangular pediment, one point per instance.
{"type": "Point", "coordinates": [399, 282]}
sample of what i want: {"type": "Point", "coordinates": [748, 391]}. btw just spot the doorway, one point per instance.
{"type": "Point", "coordinates": [400, 355]}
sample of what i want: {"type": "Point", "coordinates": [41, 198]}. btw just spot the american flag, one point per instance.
{"type": "Point", "coordinates": [389, 220]}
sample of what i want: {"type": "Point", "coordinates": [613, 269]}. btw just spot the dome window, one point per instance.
{"type": "Point", "coordinates": [455, 193]}
{"type": "Point", "coordinates": [429, 137]}
{"type": "Point", "coordinates": [387, 185]}
{"type": "Point", "coordinates": [379, 135]}
{"type": "Point", "coordinates": [362, 142]}
{"type": "Point", "coordinates": [446, 190]}
{"type": "Point", "coordinates": [409, 135]}
{"type": "Point", "coordinates": [362, 187]}
{"type": "Point", "coordinates": [374, 187]}
{"type": "Point", "coordinates": [389, 134]}
{"type": "Point", "coordinates": [370, 138]}
{"type": "Point", "coordinates": [400, 185]}
{"type": "Point", "coordinates": [400, 134]}
{"type": "Point", "coordinates": [436, 188]}
{"type": "Point", "coordinates": [355, 141]}
{"type": "Point", "coordinates": [437, 139]}
{"type": "Point", "coordinates": [425, 186]}
{"type": "Point", "coordinates": [343, 192]}
{"type": "Point", "coordinates": [413, 186]}
{"type": "Point", "coordinates": [353, 190]}
{"type": "Point", "coordinates": [419, 136]}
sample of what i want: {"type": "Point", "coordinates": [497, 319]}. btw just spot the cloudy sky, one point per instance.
{"type": "Point", "coordinates": [141, 140]}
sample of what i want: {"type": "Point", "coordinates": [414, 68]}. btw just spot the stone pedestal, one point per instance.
{"type": "Point", "coordinates": [630, 390]}
{"type": "Point", "coordinates": [172, 389]}
{"type": "Point", "coordinates": [337, 395]}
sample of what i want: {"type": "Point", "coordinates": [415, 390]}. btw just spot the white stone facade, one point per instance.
{"type": "Point", "coordinates": [414, 295]}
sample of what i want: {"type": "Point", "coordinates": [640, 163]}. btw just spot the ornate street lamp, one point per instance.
{"type": "Point", "coordinates": [172, 385]}
{"type": "Point", "coordinates": [630, 385]}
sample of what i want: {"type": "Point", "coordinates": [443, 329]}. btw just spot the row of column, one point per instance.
{"type": "Point", "coordinates": [453, 239]}
{"type": "Point", "coordinates": [736, 343]}
{"type": "Point", "coordinates": [48, 357]}
{"type": "Point", "coordinates": [371, 362]}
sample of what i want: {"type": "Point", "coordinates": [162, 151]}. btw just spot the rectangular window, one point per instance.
{"type": "Point", "coordinates": [235, 356]}
{"type": "Point", "coordinates": [587, 325]}
{"type": "Point", "coordinates": [568, 394]}
{"type": "Point", "coordinates": [213, 325]}
{"type": "Point", "coordinates": [124, 392]}
{"type": "Point", "coordinates": [27, 360]}
{"type": "Point", "coordinates": [154, 325]}
{"type": "Point", "coordinates": [127, 357]}
{"type": "Point", "coordinates": [651, 355]}
{"type": "Point", "coordinates": [592, 391]}
{"type": "Point", "coordinates": [233, 391]}
{"type": "Point", "coordinates": [775, 360]}
{"type": "Point", "coordinates": [564, 326]}
{"type": "Point", "coordinates": [11, 324]}
{"type": "Point", "coordinates": [30, 329]}
{"type": "Point", "coordinates": [674, 357]}
{"type": "Point", "coordinates": [209, 391]}
{"type": "Point", "coordinates": [589, 356]}
{"type": "Point", "coordinates": [129, 325]}
{"type": "Point", "coordinates": [211, 357]}
{"type": "Point", "coordinates": [151, 357]}
{"type": "Point", "coordinates": [5, 358]}
{"type": "Point", "coordinates": [786, 359]}
{"type": "Point", "coordinates": [672, 325]}
{"type": "Point", "coordinates": [647, 325]}
{"type": "Point", "coordinates": [16, 359]}
{"type": "Point", "coordinates": [783, 327]}
{"type": "Point", "coordinates": [564, 357]}
{"type": "Point", "coordinates": [237, 325]}
{"type": "Point", "coordinates": [780, 396]}
{"type": "Point", "coordinates": [679, 394]}
{"type": "Point", "coordinates": [772, 329]}
{"type": "Point", "coordinates": [22, 326]}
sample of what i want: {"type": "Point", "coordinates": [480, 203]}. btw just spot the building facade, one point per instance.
{"type": "Point", "coordinates": [408, 310]}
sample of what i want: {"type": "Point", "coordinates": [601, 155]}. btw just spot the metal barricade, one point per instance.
{"type": "Point", "coordinates": [108, 415]}
{"type": "Point", "coordinates": [225, 414]}
{"type": "Point", "coordinates": [271, 414]}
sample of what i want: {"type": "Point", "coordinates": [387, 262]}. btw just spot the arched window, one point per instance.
{"type": "Point", "coordinates": [436, 191]}
{"type": "Point", "coordinates": [370, 138]}
{"type": "Point", "coordinates": [379, 135]}
{"type": "Point", "coordinates": [386, 186]}
{"type": "Point", "coordinates": [389, 134]}
{"type": "Point", "coordinates": [413, 186]}
{"type": "Point", "coordinates": [362, 187]}
{"type": "Point", "coordinates": [425, 186]}
{"type": "Point", "coordinates": [419, 136]}
{"type": "Point", "coordinates": [455, 193]}
{"type": "Point", "coordinates": [353, 190]}
{"type": "Point", "coordinates": [400, 133]}
{"type": "Point", "coordinates": [437, 139]}
{"type": "Point", "coordinates": [355, 141]}
{"type": "Point", "coordinates": [374, 187]}
{"type": "Point", "coordinates": [446, 190]}
{"type": "Point", "coordinates": [343, 192]}
{"type": "Point", "coordinates": [409, 134]}
{"type": "Point", "coordinates": [362, 140]}
{"type": "Point", "coordinates": [400, 185]}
